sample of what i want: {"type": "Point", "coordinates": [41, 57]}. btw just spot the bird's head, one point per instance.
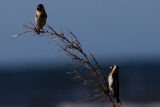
{"type": "Point", "coordinates": [40, 7]}
{"type": "Point", "coordinates": [114, 68]}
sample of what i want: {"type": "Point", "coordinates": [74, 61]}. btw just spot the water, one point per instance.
{"type": "Point", "coordinates": [47, 85]}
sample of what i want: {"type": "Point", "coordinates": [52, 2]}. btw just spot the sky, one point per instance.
{"type": "Point", "coordinates": [107, 28]}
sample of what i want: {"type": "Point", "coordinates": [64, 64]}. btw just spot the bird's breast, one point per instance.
{"type": "Point", "coordinates": [110, 80]}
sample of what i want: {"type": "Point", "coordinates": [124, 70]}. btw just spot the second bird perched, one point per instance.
{"type": "Point", "coordinates": [40, 17]}
{"type": "Point", "coordinates": [113, 80]}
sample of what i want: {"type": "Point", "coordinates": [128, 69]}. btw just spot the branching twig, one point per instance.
{"type": "Point", "coordinates": [93, 77]}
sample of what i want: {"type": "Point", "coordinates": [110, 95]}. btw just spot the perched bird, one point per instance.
{"type": "Point", "coordinates": [40, 17]}
{"type": "Point", "coordinates": [113, 80]}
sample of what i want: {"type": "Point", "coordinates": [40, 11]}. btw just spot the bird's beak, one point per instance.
{"type": "Point", "coordinates": [110, 67]}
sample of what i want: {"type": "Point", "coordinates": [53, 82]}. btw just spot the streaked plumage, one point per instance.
{"type": "Point", "coordinates": [113, 80]}
{"type": "Point", "coordinates": [40, 17]}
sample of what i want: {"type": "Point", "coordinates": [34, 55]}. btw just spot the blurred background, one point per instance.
{"type": "Point", "coordinates": [126, 33]}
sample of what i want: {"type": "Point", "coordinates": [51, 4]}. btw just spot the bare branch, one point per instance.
{"type": "Point", "coordinates": [92, 76]}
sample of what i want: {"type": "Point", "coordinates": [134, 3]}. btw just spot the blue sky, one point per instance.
{"type": "Point", "coordinates": [119, 28]}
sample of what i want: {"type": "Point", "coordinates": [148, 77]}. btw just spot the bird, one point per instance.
{"type": "Point", "coordinates": [40, 17]}
{"type": "Point", "coordinates": [113, 80]}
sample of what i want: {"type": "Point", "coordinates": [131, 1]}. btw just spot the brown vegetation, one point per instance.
{"type": "Point", "coordinates": [85, 66]}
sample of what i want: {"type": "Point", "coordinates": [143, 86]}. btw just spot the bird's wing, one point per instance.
{"type": "Point", "coordinates": [44, 15]}
{"type": "Point", "coordinates": [116, 80]}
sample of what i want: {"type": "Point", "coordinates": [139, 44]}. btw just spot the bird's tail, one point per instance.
{"type": "Point", "coordinates": [38, 31]}
{"type": "Point", "coordinates": [118, 101]}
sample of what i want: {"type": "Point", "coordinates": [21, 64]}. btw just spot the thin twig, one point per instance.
{"type": "Point", "coordinates": [92, 76]}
